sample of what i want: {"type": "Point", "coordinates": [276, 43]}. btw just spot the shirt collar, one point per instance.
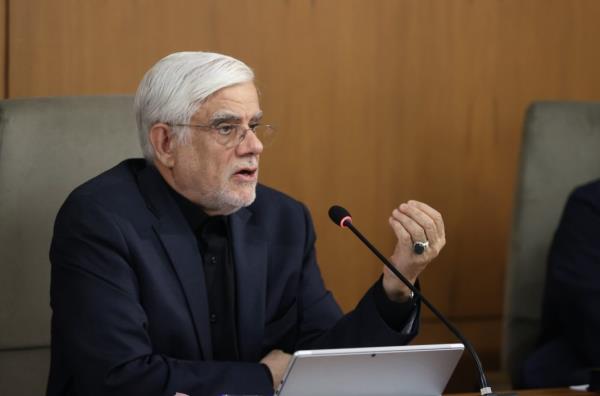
{"type": "Point", "coordinates": [193, 213]}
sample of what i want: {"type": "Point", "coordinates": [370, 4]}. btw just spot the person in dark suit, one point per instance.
{"type": "Point", "coordinates": [570, 340]}
{"type": "Point", "coordinates": [179, 273]}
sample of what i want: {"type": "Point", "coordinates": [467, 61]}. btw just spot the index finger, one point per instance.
{"type": "Point", "coordinates": [434, 214]}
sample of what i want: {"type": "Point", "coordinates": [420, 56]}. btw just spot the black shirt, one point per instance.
{"type": "Point", "coordinates": [212, 234]}
{"type": "Point", "coordinates": [214, 243]}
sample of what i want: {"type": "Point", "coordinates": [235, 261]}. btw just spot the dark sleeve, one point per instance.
{"type": "Point", "coordinates": [100, 339]}
{"type": "Point", "coordinates": [573, 283]}
{"type": "Point", "coordinates": [396, 315]}
{"type": "Point", "coordinates": [268, 372]}
{"type": "Point", "coordinates": [321, 323]}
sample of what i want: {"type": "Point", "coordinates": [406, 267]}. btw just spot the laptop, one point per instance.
{"type": "Point", "coordinates": [416, 370]}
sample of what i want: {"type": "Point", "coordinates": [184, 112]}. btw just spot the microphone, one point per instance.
{"type": "Point", "coordinates": [341, 217]}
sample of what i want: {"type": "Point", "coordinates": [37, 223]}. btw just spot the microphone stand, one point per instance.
{"type": "Point", "coordinates": [485, 388]}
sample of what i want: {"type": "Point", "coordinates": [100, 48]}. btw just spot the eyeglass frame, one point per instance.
{"type": "Point", "coordinates": [241, 135]}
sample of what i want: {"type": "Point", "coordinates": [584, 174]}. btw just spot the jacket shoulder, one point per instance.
{"type": "Point", "coordinates": [270, 199]}
{"type": "Point", "coordinates": [589, 190]}
{"type": "Point", "coordinates": [115, 190]}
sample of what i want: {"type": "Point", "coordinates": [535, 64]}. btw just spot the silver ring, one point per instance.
{"type": "Point", "coordinates": [419, 247]}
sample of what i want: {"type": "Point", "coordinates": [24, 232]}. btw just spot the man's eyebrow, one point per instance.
{"type": "Point", "coordinates": [226, 116]}
{"type": "Point", "coordinates": [258, 116]}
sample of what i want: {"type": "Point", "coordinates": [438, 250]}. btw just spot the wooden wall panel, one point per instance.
{"type": "Point", "coordinates": [3, 43]}
{"type": "Point", "coordinates": [377, 102]}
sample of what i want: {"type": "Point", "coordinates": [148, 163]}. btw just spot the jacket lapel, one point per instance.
{"type": "Point", "coordinates": [181, 246]}
{"type": "Point", "coordinates": [250, 255]}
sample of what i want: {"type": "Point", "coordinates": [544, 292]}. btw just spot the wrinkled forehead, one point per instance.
{"type": "Point", "coordinates": [236, 103]}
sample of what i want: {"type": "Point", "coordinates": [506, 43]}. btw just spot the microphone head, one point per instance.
{"type": "Point", "coordinates": [340, 216]}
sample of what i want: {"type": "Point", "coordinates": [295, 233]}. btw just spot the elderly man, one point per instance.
{"type": "Point", "coordinates": [179, 273]}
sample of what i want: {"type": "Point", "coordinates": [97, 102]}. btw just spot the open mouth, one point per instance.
{"type": "Point", "coordinates": [247, 172]}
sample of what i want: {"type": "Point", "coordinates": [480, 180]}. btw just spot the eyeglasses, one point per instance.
{"type": "Point", "coordinates": [231, 135]}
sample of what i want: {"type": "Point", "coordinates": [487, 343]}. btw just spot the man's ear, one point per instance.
{"type": "Point", "coordinates": [163, 143]}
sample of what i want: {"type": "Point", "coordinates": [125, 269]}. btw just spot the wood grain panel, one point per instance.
{"type": "Point", "coordinates": [3, 46]}
{"type": "Point", "coordinates": [377, 102]}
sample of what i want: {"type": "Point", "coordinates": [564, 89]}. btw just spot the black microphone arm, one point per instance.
{"type": "Point", "coordinates": [342, 218]}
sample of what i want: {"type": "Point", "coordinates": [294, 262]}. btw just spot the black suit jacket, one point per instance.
{"type": "Point", "coordinates": [130, 312]}
{"type": "Point", "coordinates": [570, 340]}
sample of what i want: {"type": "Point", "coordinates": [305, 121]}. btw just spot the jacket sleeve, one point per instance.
{"type": "Point", "coordinates": [99, 327]}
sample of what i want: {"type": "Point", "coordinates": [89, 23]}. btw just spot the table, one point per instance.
{"type": "Point", "coordinates": [538, 392]}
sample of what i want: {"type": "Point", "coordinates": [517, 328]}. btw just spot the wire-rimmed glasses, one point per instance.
{"type": "Point", "coordinates": [231, 135]}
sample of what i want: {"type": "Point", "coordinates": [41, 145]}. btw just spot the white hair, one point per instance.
{"type": "Point", "coordinates": [175, 87]}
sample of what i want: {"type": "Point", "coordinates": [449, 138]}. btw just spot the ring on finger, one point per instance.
{"type": "Point", "coordinates": [419, 247]}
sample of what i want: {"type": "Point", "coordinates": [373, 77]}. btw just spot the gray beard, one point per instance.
{"type": "Point", "coordinates": [227, 203]}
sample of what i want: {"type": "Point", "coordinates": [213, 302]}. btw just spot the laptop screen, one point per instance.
{"type": "Point", "coordinates": [405, 370]}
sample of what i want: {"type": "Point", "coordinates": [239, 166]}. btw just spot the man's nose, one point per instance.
{"type": "Point", "coordinates": [250, 145]}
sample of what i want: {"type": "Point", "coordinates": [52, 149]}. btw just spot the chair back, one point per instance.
{"type": "Point", "coordinates": [48, 146]}
{"type": "Point", "coordinates": [560, 150]}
